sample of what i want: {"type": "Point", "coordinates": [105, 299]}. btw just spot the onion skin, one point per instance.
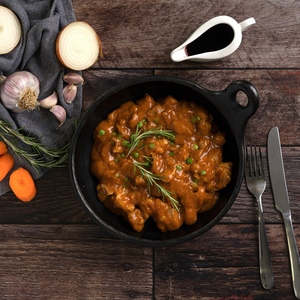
{"type": "Point", "coordinates": [58, 51]}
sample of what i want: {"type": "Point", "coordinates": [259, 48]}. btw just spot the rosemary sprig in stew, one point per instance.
{"type": "Point", "coordinates": [37, 156]}
{"type": "Point", "coordinates": [139, 134]}
{"type": "Point", "coordinates": [151, 179]}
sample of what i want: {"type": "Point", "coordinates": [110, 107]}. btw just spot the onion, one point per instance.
{"type": "Point", "coordinates": [78, 46]}
{"type": "Point", "coordinates": [10, 30]}
{"type": "Point", "coordinates": [19, 91]}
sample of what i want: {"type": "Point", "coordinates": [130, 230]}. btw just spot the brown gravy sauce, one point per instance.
{"type": "Point", "coordinates": [191, 165]}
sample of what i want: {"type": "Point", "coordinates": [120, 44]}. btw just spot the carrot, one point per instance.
{"type": "Point", "coordinates": [6, 163]}
{"type": "Point", "coordinates": [3, 148]}
{"type": "Point", "coordinates": [22, 185]}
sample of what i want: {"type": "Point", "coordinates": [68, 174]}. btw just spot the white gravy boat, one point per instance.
{"type": "Point", "coordinates": [215, 39]}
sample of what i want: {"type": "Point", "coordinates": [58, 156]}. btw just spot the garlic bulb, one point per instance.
{"type": "Point", "coordinates": [19, 91]}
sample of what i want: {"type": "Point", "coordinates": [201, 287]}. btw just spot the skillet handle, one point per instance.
{"type": "Point", "coordinates": [238, 114]}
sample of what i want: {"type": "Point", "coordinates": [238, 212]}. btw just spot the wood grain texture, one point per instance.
{"type": "Point", "coordinates": [57, 262]}
{"type": "Point", "coordinates": [142, 34]}
{"type": "Point", "coordinates": [223, 264]}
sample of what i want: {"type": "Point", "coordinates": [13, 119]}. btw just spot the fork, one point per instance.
{"type": "Point", "coordinates": [256, 184]}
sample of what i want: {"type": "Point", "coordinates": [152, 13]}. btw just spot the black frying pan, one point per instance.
{"type": "Point", "coordinates": [228, 114]}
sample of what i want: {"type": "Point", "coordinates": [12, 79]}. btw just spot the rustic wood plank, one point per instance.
{"type": "Point", "coordinates": [142, 34]}
{"type": "Point", "coordinates": [71, 262]}
{"type": "Point", "coordinates": [223, 264]}
{"type": "Point", "coordinates": [278, 91]}
{"type": "Point", "coordinates": [57, 204]}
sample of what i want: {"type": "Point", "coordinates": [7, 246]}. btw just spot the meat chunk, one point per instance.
{"type": "Point", "coordinates": [182, 127]}
{"type": "Point", "coordinates": [103, 191]}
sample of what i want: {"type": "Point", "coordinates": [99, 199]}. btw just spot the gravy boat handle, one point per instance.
{"type": "Point", "coordinates": [247, 23]}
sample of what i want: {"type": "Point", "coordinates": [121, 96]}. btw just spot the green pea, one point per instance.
{"type": "Point", "coordinates": [189, 161]}
{"type": "Point", "coordinates": [115, 160]}
{"type": "Point", "coordinates": [114, 133]}
{"type": "Point", "coordinates": [147, 164]}
{"type": "Point", "coordinates": [172, 143]}
{"type": "Point", "coordinates": [193, 119]}
{"type": "Point", "coordinates": [196, 180]}
{"type": "Point", "coordinates": [171, 153]}
{"type": "Point", "coordinates": [144, 121]}
{"type": "Point", "coordinates": [155, 121]}
{"type": "Point", "coordinates": [203, 172]}
{"type": "Point", "coordinates": [125, 143]}
{"type": "Point", "coordinates": [101, 132]}
{"type": "Point", "coordinates": [178, 167]}
{"type": "Point", "coordinates": [198, 118]}
{"type": "Point", "coordinates": [122, 155]}
{"type": "Point", "coordinates": [136, 155]}
{"type": "Point", "coordinates": [117, 175]}
{"type": "Point", "coordinates": [196, 147]}
{"type": "Point", "coordinates": [119, 136]}
{"type": "Point", "coordinates": [151, 146]}
{"type": "Point", "coordinates": [140, 125]}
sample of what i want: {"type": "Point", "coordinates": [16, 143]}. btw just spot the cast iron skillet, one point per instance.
{"type": "Point", "coordinates": [229, 115]}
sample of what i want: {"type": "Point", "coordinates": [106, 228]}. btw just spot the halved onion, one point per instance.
{"type": "Point", "coordinates": [78, 46]}
{"type": "Point", "coordinates": [10, 30]}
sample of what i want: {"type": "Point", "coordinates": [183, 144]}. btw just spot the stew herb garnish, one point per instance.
{"type": "Point", "coordinates": [136, 137]}
{"type": "Point", "coordinates": [151, 179]}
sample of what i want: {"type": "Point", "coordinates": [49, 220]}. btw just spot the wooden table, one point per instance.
{"type": "Point", "coordinates": [50, 248]}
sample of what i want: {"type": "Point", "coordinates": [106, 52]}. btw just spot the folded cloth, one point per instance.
{"type": "Point", "coordinates": [41, 22]}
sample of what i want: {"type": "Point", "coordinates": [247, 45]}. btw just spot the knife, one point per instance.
{"type": "Point", "coordinates": [281, 199]}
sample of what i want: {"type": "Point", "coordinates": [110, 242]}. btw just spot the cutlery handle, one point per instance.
{"type": "Point", "coordinates": [294, 255]}
{"type": "Point", "coordinates": [266, 271]}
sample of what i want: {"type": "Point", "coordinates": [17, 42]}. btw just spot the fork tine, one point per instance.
{"type": "Point", "coordinates": [262, 173]}
{"type": "Point", "coordinates": [253, 161]}
{"type": "Point", "coordinates": [256, 165]}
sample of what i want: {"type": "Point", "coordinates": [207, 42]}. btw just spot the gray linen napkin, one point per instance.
{"type": "Point", "coordinates": [41, 22]}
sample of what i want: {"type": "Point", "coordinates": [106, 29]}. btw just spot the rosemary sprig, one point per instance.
{"type": "Point", "coordinates": [151, 179]}
{"type": "Point", "coordinates": [36, 153]}
{"type": "Point", "coordinates": [139, 134]}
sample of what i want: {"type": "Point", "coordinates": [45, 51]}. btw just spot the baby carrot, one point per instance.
{"type": "Point", "coordinates": [6, 163]}
{"type": "Point", "coordinates": [22, 185]}
{"type": "Point", "coordinates": [3, 148]}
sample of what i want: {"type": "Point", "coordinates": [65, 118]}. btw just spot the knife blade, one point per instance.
{"type": "Point", "coordinates": [281, 199]}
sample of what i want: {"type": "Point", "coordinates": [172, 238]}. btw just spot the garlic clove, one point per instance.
{"type": "Point", "coordinates": [73, 78]}
{"type": "Point", "coordinates": [50, 101]}
{"type": "Point", "coordinates": [60, 113]}
{"type": "Point", "coordinates": [69, 92]}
